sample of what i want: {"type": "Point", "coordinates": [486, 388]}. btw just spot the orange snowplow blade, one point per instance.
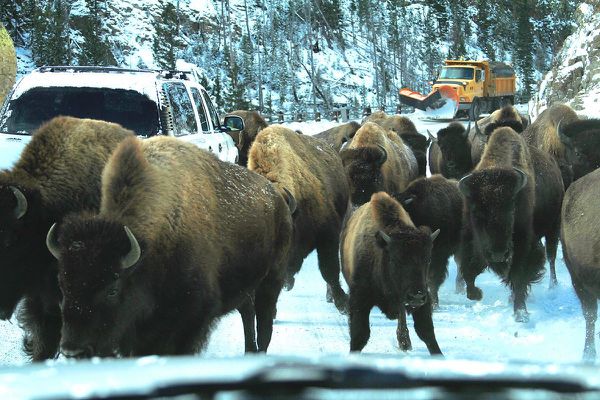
{"type": "Point", "coordinates": [444, 97]}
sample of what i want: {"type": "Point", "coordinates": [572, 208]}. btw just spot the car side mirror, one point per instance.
{"type": "Point", "coordinates": [233, 123]}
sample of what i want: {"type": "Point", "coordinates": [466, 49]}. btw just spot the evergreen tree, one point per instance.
{"type": "Point", "coordinates": [50, 42]}
{"type": "Point", "coordinates": [523, 47]}
{"type": "Point", "coordinates": [95, 49]}
{"type": "Point", "coordinates": [166, 40]}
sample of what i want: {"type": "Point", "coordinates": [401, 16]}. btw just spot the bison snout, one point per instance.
{"type": "Point", "coordinates": [70, 351]}
{"type": "Point", "coordinates": [416, 299]}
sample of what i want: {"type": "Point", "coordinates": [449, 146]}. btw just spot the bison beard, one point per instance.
{"type": "Point", "coordinates": [385, 259]}
{"type": "Point", "coordinates": [167, 254]}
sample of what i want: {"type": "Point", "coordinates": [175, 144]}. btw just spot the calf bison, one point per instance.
{"type": "Point", "coordinates": [253, 123]}
{"type": "Point", "coordinates": [377, 160]}
{"type": "Point", "coordinates": [339, 135]}
{"type": "Point", "coordinates": [543, 134]}
{"type": "Point", "coordinates": [313, 172]}
{"type": "Point", "coordinates": [385, 259]}
{"type": "Point", "coordinates": [581, 140]}
{"type": "Point", "coordinates": [513, 188]}
{"type": "Point", "coordinates": [58, 172]}
{"type": "Point", "coordinates": [437, 203]}
{"type": "Point", "coordinates": [450, 152]}
{"type": "Point", "coordinates": [171, 249]}
{"type": "Point", "coordinates": [581, 249]}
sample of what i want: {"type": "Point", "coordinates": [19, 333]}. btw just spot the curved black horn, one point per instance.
{"type": "Point", "coordinates": [468, 129]}
{"type": "Point", "coordinates": [21, 207]}
{"type": "Point", "coordinates": [477, 130]}
{"type": "Point", "coordinates": [384, 156]}
{"type": "Point", "coordinates": [291, 201]}
{"type": "Point", "coordinates": [52, 243]}
{"type": "Point", "coordinates": [134, 254]}
{"type": "Point", "coordinates": [462, 184]}
{"type": "Point", "coordinates": [431, 137]}
{"type": "Point", "coordinates": [435, 234]}
{"type": "Point", "coordinates": [523, 179]}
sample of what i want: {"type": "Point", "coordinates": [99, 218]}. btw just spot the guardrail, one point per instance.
{"type": "Point", "coordinates": [341, 114]}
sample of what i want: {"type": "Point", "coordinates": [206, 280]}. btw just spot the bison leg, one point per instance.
{"type": "Point", "coordinates": [41, 323]}
{"type": "Point", "coordinates": [551, 247]}
{"type": "Point", "coordinates": [248, 315]}
{"type": "Point", "coordinates": [360, 308]}
{"type": "Point", "coordinates": [459, 282]}
{"type": "Point", "coordinates": [402, 331]}
{"type": "Point", "coordinates": [266, 308]}
{"type": "Point", "coordinates": [525, 269]}
{"type": "Point", "coordinates": [438, 272]}
{"type": "Point", "coordinates": [424, 327]}
{"type": "Point", "coordinates": [329, 265]}
{"type": "Point", "coordinates": [589, 306]}
{"type": "Point", "coordinates": [470, 267]}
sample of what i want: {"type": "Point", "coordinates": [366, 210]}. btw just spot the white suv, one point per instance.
{"type": "Point", "coordinates": [148, 102]}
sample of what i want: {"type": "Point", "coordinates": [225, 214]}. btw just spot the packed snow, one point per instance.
{"type": "Point", "coordinates": [485, 330]}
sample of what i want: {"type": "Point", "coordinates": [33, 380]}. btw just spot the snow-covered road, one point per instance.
{"type": "Point", "coordinates": [307, 325]}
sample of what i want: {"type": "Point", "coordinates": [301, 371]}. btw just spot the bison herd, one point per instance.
{"type": "Point", "coordinates": [117, 246]}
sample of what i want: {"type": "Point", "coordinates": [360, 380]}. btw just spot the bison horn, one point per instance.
{"type": "Point", "coordinates": [431, 137]}
{"type": "Point", "coordinates": [462, 185]}
{"type": "Point", "coordinates": [134, 254]}
{"type": "Point", "coordinates": [523, 180]}
{"type": "Point", "coordinates": [52, 243]}
{"type": "Point", "coordinates": [563, 138]}
{"type": "Point", "coordinates": [383, 236]}
{"type": "Point", "coordinates": [383, 156]}
{"type": "Point", "coordinates": [408, 201]}
{"type": "Point", "coordinates": [435, 234]}
{"type": "Point", "coordinates": [477, 130]}
{"type": "Point", "coordinates": [291, 201]}
{"type": "Point", "coordinates": [21, 207]}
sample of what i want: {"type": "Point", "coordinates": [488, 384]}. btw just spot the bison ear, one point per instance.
{"type": "Point", "coordinates": [382, 239]}
{"type": "Point", "coordinates": [463, 185]}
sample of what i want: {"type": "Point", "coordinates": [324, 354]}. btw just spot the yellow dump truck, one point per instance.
{"type": "Point", "coordinates": [465, 87]}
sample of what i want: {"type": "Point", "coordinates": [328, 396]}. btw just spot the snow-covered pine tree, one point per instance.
{"type": "Point", "coordinates": [95, 49]}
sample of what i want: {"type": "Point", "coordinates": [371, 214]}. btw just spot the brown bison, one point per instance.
{"type": "Point", "coordinates": [385, 259]}
{"type": "Point", "coordinates": [253, 123]}
{"type": "Point", "coordinates": [313, 173]}
{"type": "Point", "coordinates": [543, 134]}
{"type": "Point", "coordinates": [407, 130]}
{"type": "Point", "coordinates": [339, 135]}
{"type": "Point", "coordinates": [581, 248]}
{"type": "Point", "coordinates": [512, 190]}
{"type": "Point", "coordinates": [581, 140]}
{"type": "Point", "coordinates": [437, 203]}
{"type": "Point", "coordinates": [483, 128]}
{"type": "Point", "coordinates": [377, 160]}
{"type": "Point", "coordinates": [181, 239]}
{"type": "Point", "coordinates": [450, 152]}
{"type": "Point", "coordinates": [58, 172]}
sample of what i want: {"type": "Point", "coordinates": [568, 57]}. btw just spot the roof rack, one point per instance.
{"type": "Point", "coordinates": [75, 68]}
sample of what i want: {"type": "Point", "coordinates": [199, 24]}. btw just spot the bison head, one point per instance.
{"type": "Point", "coordinates": [100, 304]}
{"type": "Point", "coordinates": [456, 151]}
{"type": "Point", "coordinates": [491, 198]}
{"type": "Point", "coordinates": [21, 244]}
{"type": "Point", "coordinates": [363, 168]}
{"type": "Point", "coordinates": [582, 141]}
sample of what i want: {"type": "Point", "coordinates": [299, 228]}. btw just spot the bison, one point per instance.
{"type": "Point", "coordinates": [253, 123]}
{"type": "Point", "coordinates": [437, 203]}
{"type": "Point", "coordinates": [506, 116]}
{"type": "Point", "coordinates": [172, 248]}
{"type": "Point", "coordinates": [377, 160]}
{"type": "Point", "coordinates": [581, 248]}
{"type": "Point", "coordinates": [450, 152]}
{"type": "Point", "coordinates": [313, 172]}
{"type": "Point", "coordinates": [543, 134]}
{"type": "Point", "coordinates": [58, 172]}
{"type": "Point", "coordinates": [339, 135]}
{"type": "Point", "coordinates": [385, 261]}
{"type": "Point", "coordinates": [581, 140]}
{"type": "Point", "coordinates": [512, 199]}
{"type": "Point", "coordinates": [407, 130]}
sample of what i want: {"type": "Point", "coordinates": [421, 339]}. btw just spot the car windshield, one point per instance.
{"type": "Point", "coordinates": [128, 108]}
{"type": "Point", "coordinates": [456, 73]}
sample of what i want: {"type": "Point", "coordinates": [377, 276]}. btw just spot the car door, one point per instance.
{"type": "Point", "coordinates": [206, 128]}
{"type": "Point", "coordinates": [226, 147]}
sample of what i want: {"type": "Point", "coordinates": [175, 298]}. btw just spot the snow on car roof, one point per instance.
{"type": "Point", "coordinates": [139, 81]}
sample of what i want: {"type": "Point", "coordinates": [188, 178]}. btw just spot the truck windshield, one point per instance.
{"type": "Point", "coordinates": [456, 73]}
{"type": "Point", "coordinates": [128, 108]}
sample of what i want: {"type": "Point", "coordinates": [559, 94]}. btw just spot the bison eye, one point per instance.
{"type": "Point", "coordinates": [112, 292]}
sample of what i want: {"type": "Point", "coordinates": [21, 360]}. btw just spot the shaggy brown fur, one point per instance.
{"type": "Point", "coordinates": [542, 134]}
{"type": "Point", "coordinates": [339, 135]}
{"type": "Point", "coordinates": [211, 235]}
{"type": "Point", "coordinates": [385, 260]}
{"type": "Point", "coordinates": [582, 141]}
{"type": "Point", "coordinates": [450, 152]}
{"type": "Point", "coordinates": [312, 171]}
{"type": "Point", "coordinates": [581, 247]}
{"type": "Point", "coordinates": [362, 161]}
{"type": "Point", "coordinates": [499, 218]}
{"type": "Point", "coordinates": [437, 203]}
{"type": "Point", "coordinates": [253, 123]}
{"type": "Point", "coordinates": [58, 172]}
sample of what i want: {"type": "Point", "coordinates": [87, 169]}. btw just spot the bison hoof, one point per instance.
{"type": "Point", "coordinates": [521, 316]}
{"type": "Point", "coordinates": [404, 343]}
{"type": "Point", "coordinates": [474, 293]}
{"type": "Point", "coordinates": [460, 287]}
{"type": "Point", "coordinates": [553, 283]}
{"type": "Point", "coordinates": [329, 295]}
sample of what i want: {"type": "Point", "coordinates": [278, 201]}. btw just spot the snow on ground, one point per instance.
{"type": "Point", "coordinates": [477, 330]}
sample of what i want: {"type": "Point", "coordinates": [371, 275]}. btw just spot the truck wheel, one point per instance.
{"type": "Point", "coordinates": [475, 109]}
